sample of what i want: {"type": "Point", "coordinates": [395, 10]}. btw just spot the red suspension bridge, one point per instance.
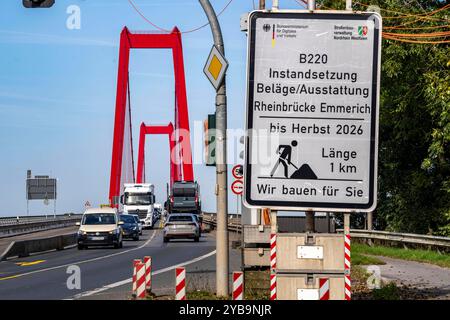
{"type": "Point", "coordinates": [122, 163]}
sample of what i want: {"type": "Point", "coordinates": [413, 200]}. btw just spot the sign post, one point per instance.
{"type": "Point", "coordinates": [312, 111]}
{"type": "Point", "coordinates": [237, 187]}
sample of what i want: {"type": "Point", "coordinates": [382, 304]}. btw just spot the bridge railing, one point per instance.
{"type": "Point", "coordinates": [9, 221]}
{"type": "Point", "coordinates": [12, 226]}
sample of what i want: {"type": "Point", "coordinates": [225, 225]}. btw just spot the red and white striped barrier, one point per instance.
{"type": "Point", "coordinates": [347, 267]}
{"type": "Point", "coordinates": [148, 273]}
{"type": "Point", "coordinates": [134, 288]}
{"type": "Point", "coordinates": [273, 251]}
{"type": "Point", "coordinates": [324, 289]}
{"type": "Point", "coordinates": [180, 283]}
{"type": "Point", "coordinates": [140, 280]}
{"type": "Point", "coordinates": [238, 285]}
{"type": "Point", "coordinates": [273, 286]}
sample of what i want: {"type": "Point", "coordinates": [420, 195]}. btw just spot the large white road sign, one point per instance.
{"type": "Point", "coordinates": [312, 111]}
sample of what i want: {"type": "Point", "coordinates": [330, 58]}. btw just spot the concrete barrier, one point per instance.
{"type": "Point", "coordinates": [23, 248]}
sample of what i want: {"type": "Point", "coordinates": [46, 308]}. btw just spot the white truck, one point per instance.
{"type": "Point", "coordinates": [139, 199]}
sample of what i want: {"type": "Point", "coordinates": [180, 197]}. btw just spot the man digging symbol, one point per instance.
{"type": "Point", "coordinates": [285, 152]}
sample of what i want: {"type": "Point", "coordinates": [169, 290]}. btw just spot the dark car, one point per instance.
{"type": "Point", "coordinates": [184, 197]}
{"type": "Point", "coordinates": [136, 217]}
{"type": "Point", "coordinates": [130, 227]}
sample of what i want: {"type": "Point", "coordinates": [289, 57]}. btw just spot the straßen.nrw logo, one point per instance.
{"type": "Point", "coordinates": [266, 27]}
{"type": "Point", "coordinates": [362, 30]}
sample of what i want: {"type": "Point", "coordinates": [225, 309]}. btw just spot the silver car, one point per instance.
{"type": "Point", "coordinates": [181, 226]}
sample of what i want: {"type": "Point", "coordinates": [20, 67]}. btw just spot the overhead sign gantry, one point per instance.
{"type": "Point", "coordinates": [312, 111]}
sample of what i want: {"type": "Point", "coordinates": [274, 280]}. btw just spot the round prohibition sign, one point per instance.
{"type": "Point", "coordinates": [238, 171]}
{"type": "Point", "coordinates": [237, 187]}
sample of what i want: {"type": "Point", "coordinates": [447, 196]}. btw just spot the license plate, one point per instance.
{"type": "Point", "coordinates": [97, 238]}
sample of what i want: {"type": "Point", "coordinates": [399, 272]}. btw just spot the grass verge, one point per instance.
{"type": "Point", "coordinates": [360, 251]}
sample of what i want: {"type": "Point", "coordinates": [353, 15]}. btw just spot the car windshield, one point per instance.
{"type": "Point", "coordinates": [127, 219]}
{"type": "Point", "coordinates": [99, 218]}
{"type": "Point", "coordinates": [133, 199]}
{"type": "Point", "coordinates": [180, 219]}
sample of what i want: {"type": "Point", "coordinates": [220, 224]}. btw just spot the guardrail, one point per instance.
{"type": "Point", "coordinates": [9, 221]}
{"type": "Point", "coordinates": [401, 238]}
{"type": "Point", "coordinates": [234, 223]}
{"type": "Point", "coordinates": [22, 225]}
{"type": "Point", "coordinates": [374, 236]}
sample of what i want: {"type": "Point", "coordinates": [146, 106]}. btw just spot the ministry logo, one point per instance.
{"type": "Point", "coordinates": [266, 27]}
{"type": "Point", "coordinates": [363, 30]}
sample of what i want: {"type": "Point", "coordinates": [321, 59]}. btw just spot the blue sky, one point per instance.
{"type": "Point", "coordinates": [58, 88]}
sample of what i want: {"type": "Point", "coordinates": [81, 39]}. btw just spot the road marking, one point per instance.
{"type": "Point", "coordinates": [29, 263]}
{"type": "Point", "coordinates": [129, 280]}
{"type": "Point", "coordinates": [82, 261]}
{"type": "Point", "coordinates": [10, 277]}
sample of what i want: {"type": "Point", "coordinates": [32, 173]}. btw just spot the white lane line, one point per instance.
{"type": "Point", "coordinates": [86, 261]}
{"type": "Point", "coordinates": [122, 282]}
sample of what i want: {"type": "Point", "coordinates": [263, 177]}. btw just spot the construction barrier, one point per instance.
{"type": "Point", "coordinates": [273, 286]}
{"type": "Point", "coordinates": [140, 280]}
{"type": "Point", "coordinates": [180, 283]}
{"type": "Point", "coordinates": [238, 285]}
{"type": "Point", "coordinates": [347, 264]}
{"type": "Point", "coordinates": [273, 251]}
{"type": "Point", "coordinates": [324, 289]}
{"type": "Point", "coordinates": [306, 286]}
{"type": "Point", "coordinates": [148, 273]}
{"type": "Point", "coordinates": [134, 288]}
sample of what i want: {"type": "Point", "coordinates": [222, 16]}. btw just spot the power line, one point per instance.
{"type": "Point", "coordinates": [135, 7]}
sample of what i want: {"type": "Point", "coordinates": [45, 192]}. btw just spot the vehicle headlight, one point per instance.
{"type": "Point", "coordinates": [115, 231]}
{"type": "Point", "coordinates": [134, 228]}
{"type": "Point", "coordinates": [81, 232]}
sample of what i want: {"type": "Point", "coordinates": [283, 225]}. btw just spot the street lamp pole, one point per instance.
{"type": "Point", "coordinates": [221, 164]}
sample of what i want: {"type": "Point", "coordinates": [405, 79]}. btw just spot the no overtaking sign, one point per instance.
{"type": "Point", "coordinates": [312, 111]}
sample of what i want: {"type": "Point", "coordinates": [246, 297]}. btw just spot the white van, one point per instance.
{"type": "Point", "coordinates": [99, 227]}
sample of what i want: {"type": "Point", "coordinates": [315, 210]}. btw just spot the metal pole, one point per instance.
{"type": "Point", "coordinates": [310, 225]}
{"type": "Point", "coordinates": [54, 201]}
{"type": "Point", "coordinates": [328, 223]}
{"type": "Point", "coordinates": [346, 223]}
{"type": "Point", "coordinates": [262, 4]}
{"type": "Point", "coordinates": [221, 164]}
{"type": "Point", "coordinates": [370, 220]}
{"type": "Point", "coordinates": [348, 5]}
{"type": "Point", "coordinates": [259, 212]}
{"type": "Point", "coordinates": [309, 221]}
{"type": "Point", "coordinates": [274, 5]}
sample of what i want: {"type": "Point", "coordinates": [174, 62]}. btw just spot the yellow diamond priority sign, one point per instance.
{"type": "Point", "coordinates": [215, 67]}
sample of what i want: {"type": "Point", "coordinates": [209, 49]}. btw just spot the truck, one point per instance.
{"type": "Point", "coordinates": [139, 199]}
{"type": "Point", "coordinates": [184, 196]}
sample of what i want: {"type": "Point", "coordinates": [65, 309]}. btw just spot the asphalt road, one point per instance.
{"type": "Point", "coordinates": [45, 276]}
{"type": "Point", "coordinates": [433, 280]}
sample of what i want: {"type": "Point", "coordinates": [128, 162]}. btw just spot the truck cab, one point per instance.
{"type": "Point", "coordinates": [139, 199]}
{"type": "Point", "coordinates": [184, 196]}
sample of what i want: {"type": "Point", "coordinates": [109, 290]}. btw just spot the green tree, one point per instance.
{"type": "Point", "coordinates": [414, 149]}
